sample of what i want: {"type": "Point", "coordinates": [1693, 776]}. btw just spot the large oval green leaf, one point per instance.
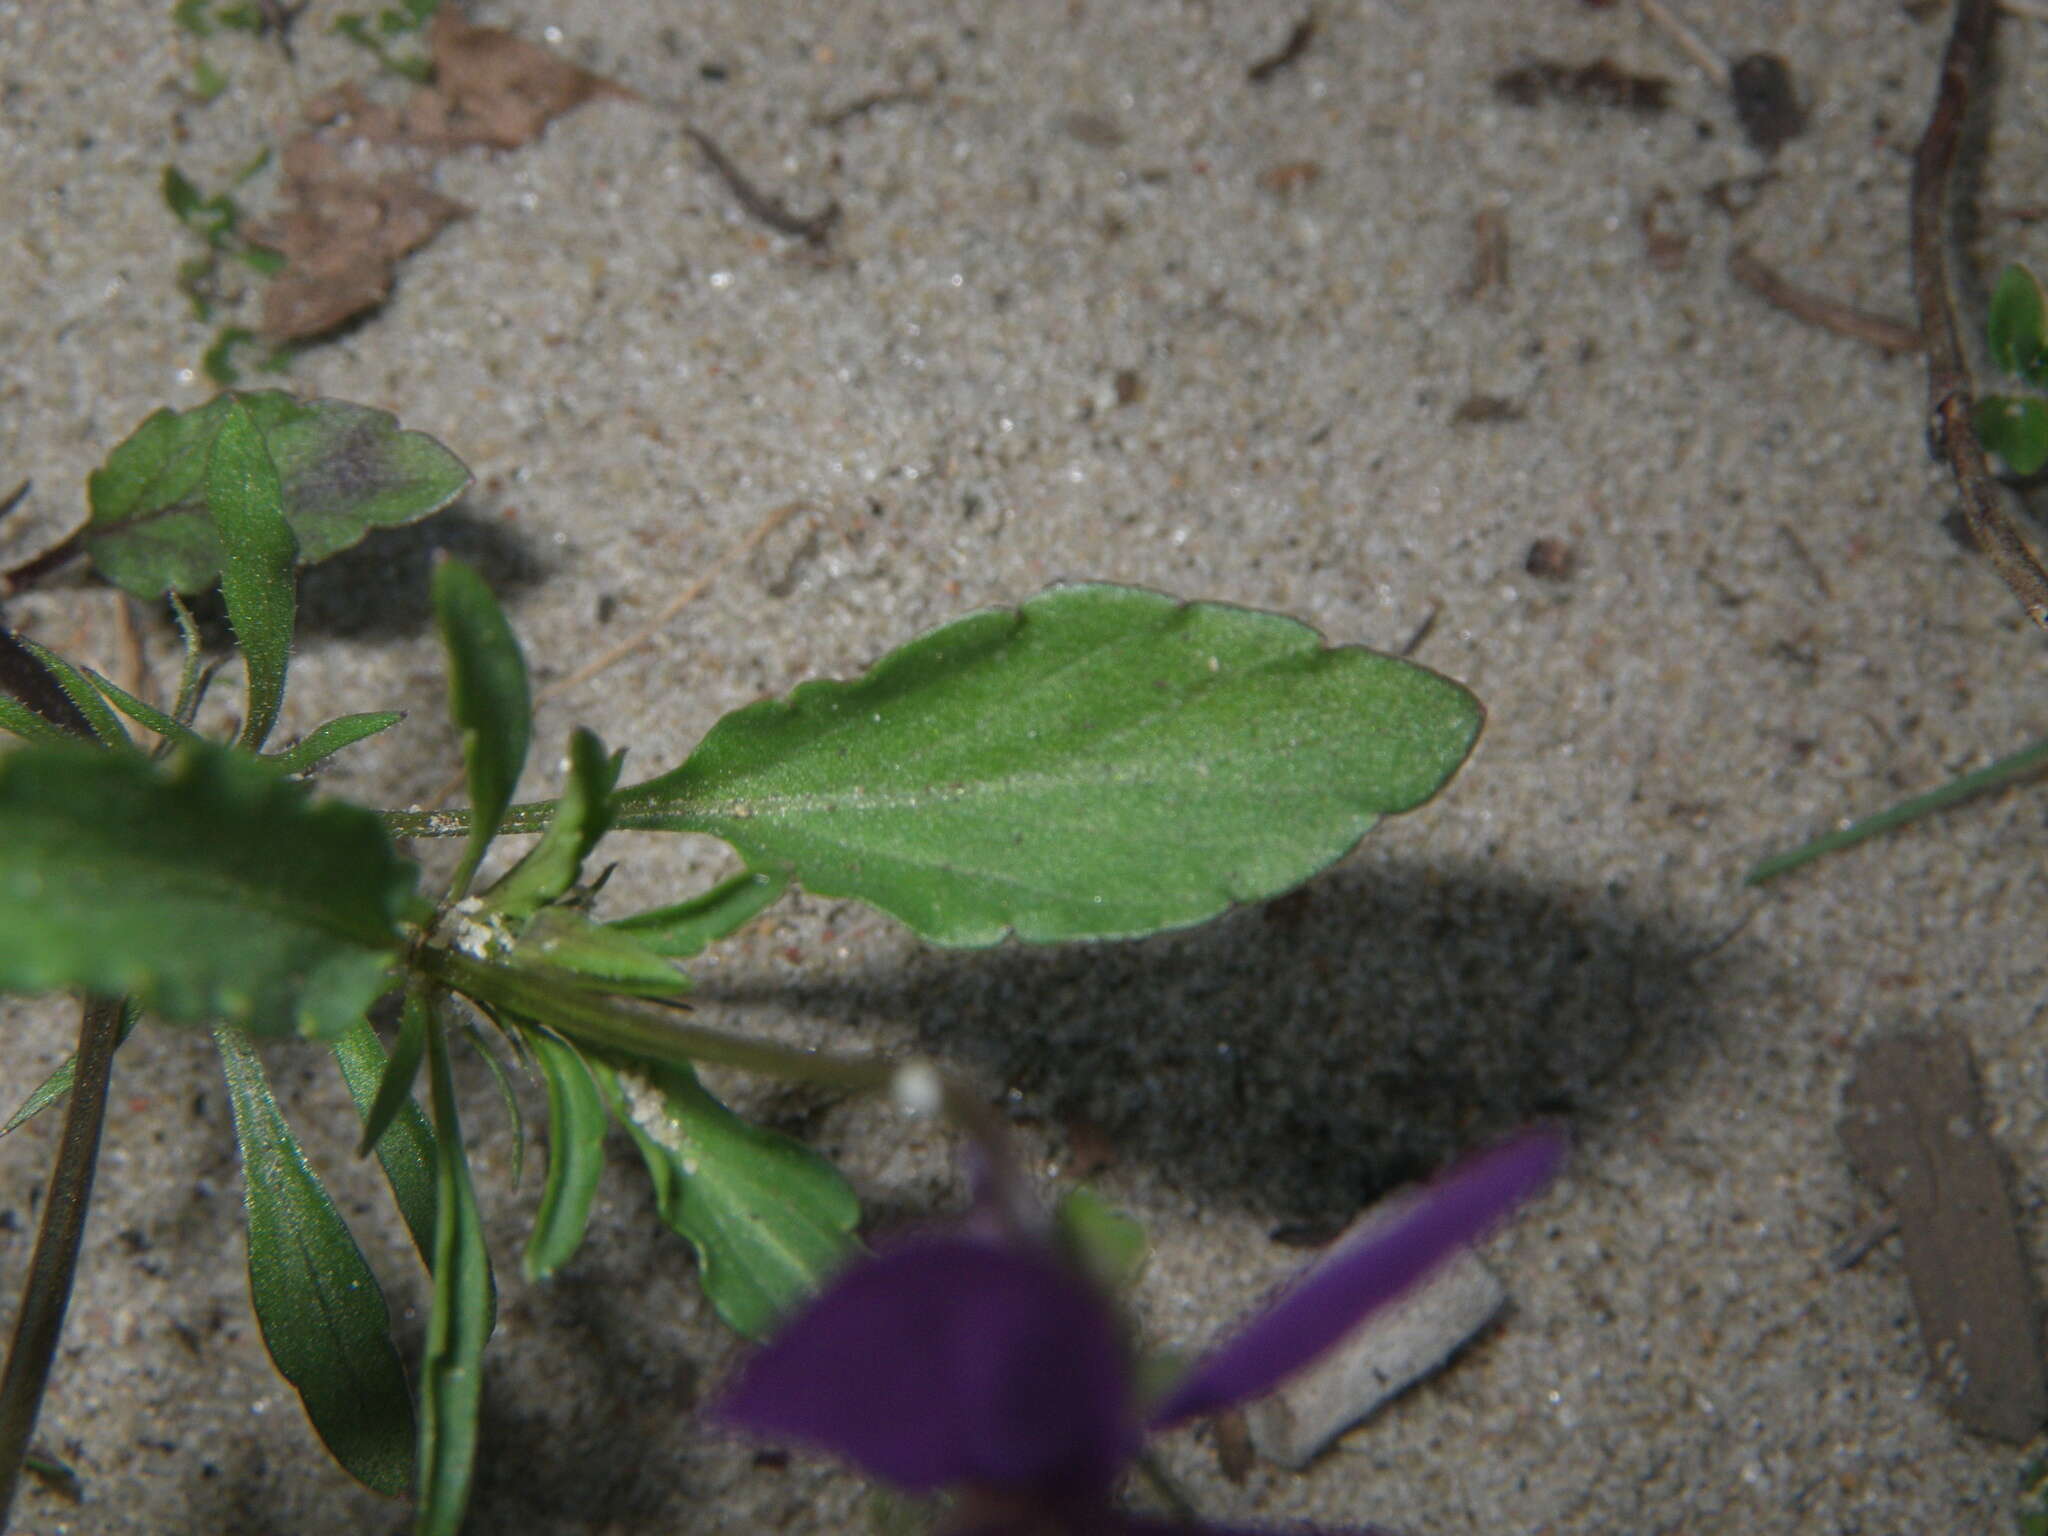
{"type": "Point", "coordinates": [343, 469]}
{"type": "Point", "coordinates": [1100, 762]}
{"type": "Point", "coordinates": [208, 886]}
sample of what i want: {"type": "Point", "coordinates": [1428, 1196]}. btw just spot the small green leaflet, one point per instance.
{"type": "Point", "coordinates": [323, 1316]}
{"type": "Point", "coordinates": [688, 927]}
{"type": "Point", "coordinates": [2016, 326]}
{"type": "Point", "coordinates": [206, 886]}
{"type": "Point", "coordinates": [2015, 427]}
{"type": "Point", "coordinates": [344, 469]}
{"type": "Point", "coordinates": [576, 1127]}
{"type": "Point", "coordinates": [259, 578]}
{"type": "Point", "coordinates": [405, 1148]}
{"type": "Point", "coordinates": [770, 1219]}
{"type": "Point", "coordinates": [323, 741]}
{"type": "Point", "coordinates": [582, 816]}
{"type": "Point", "coordinates": [595, 955]}
{"type": "Point", "coordinates": [487, 699]}
{"type": "Point", "coordinates": [1101, 762]}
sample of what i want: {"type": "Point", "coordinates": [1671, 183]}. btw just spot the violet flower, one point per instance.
{"type": "Point", "coordinates": [994, 1366]}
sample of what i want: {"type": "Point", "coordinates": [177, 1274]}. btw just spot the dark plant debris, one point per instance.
{"type": "Point", "coordinates": [1819, 309]}
{"type": "Point", "coordinates": [812, 228]}
{"type": "Point", "coordinates": [1550, 559]}
{"type": "Point", "coordinates": [1485, 411]}
{"type": "Point", "coordinates": [1913, 1124]}
{"type": "Point", "coordinates": [1298, 40]}
{"type": "Point", "coordinates": [1602, 84]}
{"type": "Point", "coordinates": [1760, 85]}
{"type": "Point", "coordinates": [1489, 270]}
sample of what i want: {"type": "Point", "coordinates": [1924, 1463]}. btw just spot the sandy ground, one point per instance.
{"type": "Point", "coordinates": [1074, 324]}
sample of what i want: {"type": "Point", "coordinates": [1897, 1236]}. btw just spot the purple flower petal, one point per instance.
{"type": "Point", "coordinates": [952, 1360]}
{"type": "Point", "coordinates": [1344, 1289]}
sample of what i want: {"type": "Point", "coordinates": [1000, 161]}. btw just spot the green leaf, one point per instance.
{"type": "Point", "coordinates": [207, 81]}
{"type": "Point", "coordinates": [394, 1084]}
{"type": "Point", "coordinates": [487, 699]}
{"type": "Point", "coordinates": [58, 1083]}
{"type": "Point", "coordinates": [106, 725]}
{"type": "Point", "coordinates": [406, 1146]}
{"type": "Point", "coordinates": [144, 714]}
{"type": "Point", "coordinates": [1108, 1245]}
{"type": "Point", "coordinates": [260, 551]}
{"type": "Point", "coordinates": [576, 1126]}
{"type": "Point", "coordinates": [206, 886]}
{"type": "Point", "coordinates": [323, 1315]}
{"type": "Point", "coordinates": [507, 1099]}
{"type": "Point", "coordinates": [191, 670]}
{"type": "Point", "coordinates": [180, 195]}
{"type": "Point", "coordinates": [596, 955]}
{"type": "Point", "coordinates": [459, 1324]}
{"type": "Point", "coordinates": [2015, 427]}
{"type": "Point", "coordinates": [345, 469]}
{"type": "Point", "coordinates": [1101, 762]}
{"type": "Point", "coordinates": [19, 720]}
{"type": "Point", "coordinates": [2017, 324]}
{"type": "Point", "coordinates": [217, 362]}
{"type": "Point", "coordinates": [582, 816]}
{"type": "Point", "coordinates": [323, 741]}
{"type": "Point", "coordinates": [686, 928]}
{"type": "Point", "coordinates": [770, 1219]}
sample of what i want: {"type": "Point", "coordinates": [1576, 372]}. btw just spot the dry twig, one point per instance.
{"type": "Point", "coordinates": [1818, 309]}
{"type": "Point", "coordinates": [1951, 401]}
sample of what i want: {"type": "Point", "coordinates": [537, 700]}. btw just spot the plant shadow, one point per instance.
{"type": "Point", "coordinates": [1301, 1057]}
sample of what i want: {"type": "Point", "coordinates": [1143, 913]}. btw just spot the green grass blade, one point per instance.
{"type": "Point", "coordinates": [323, 1316]}
{"type": "Point", "coordinates": [2027, 761]}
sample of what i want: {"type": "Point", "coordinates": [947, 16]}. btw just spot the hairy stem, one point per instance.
{"type": "Point", "coordinates": [639, 1030]}
{"type": "Point", "coordinates": [47, 1293]}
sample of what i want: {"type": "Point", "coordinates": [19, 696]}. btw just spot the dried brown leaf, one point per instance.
{"type": "Point", "coordinates": [493, 87]}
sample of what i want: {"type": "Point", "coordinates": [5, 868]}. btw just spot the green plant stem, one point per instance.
{"type": "Point", "coordinates": [2028, 760]}
{"type": "Point", "coordinates": [47, 1293]}
{"type": "Point", "coordinates": [636, 1030]}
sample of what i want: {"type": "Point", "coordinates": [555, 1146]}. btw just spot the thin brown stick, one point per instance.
{"type": "Point", "coordinates": [1950, 400]}
{"type": "Point", "coordinates": [812, 229]}
{"type": "Point", "coordinates": [1690, 43]}
{"type": "Point", "coordinates": [1818, 309]}
{"type": "Point", "coordinates": [47, 1292]}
